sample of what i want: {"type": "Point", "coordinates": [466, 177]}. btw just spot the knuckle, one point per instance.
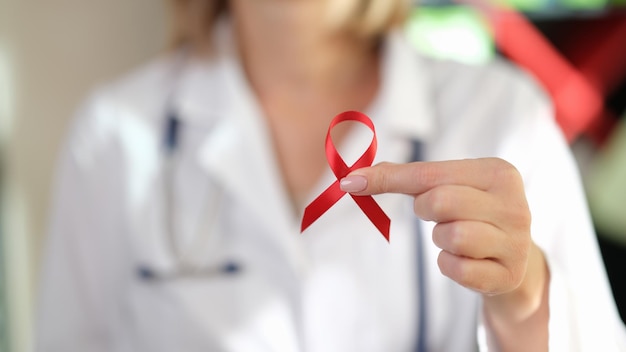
{"type": "Point", "coordinates": [494, 283]}
{"type": "Point", "coordinates": [518, 216]}
{"type": "Point", "coordinates": [458, 236]}
{"type": "Point", "coordinates": [463, 276]}
{"type": "Point", "coordinates": [485, 286]}
{"type": "Point", "coordinates": [440, 202]}
{"type": "Point", "coordinates": [454, 269]}
{"type": "Point", "coordinates": [522, 250]}
{"type": "Point", "coordinates": [469, 276]}
{"type": "Point", "coordinates": [383, 182]}
{"type": "Point", "coordinates": [475, 280]}
{"type": "Point", "coordinates": [524, 218]}
{"type": "Point", "coordinates": [383, 179]}
{"type": "Point", "coordinates": [438, 235]}
{"type": "Point", "coordinates": [450, 237]}
{"type": "Point", "coordinates": [504, 172]}
{"type": "Point", "coordinates": [518, 277]}
{"type": "Point", "coordinates": [512, 274]}
{"type": "Point", "coordinates": [515, 276]}
{"type": "Point", "coordinates": [519, 244]}
{"type": "Point", "coordinates": [426, 174]}
{"type": "Point", "coordinates": [444, 265]}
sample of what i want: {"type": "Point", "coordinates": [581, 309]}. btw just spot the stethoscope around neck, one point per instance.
{"type": "Point", "coordinates": [183, 268]}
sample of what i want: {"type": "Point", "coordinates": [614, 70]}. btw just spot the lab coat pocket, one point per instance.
{"type": "Point", "coordinates": [238, 312]}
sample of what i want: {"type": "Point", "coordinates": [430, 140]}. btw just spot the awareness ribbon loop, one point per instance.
{"type": "Point", "coordinates": [333, 193]}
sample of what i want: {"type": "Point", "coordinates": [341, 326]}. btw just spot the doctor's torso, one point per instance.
{"type": "Point", "coordinates": [339, 286]}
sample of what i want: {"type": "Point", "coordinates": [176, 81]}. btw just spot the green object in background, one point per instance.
{"type": "Point", "coordinates": [451, 32]}
{"type": "Point", "coordinates": [606, 187]}
{"type": "Point", "coordinates": [529, 5]}
{"type": "Point", "coordinates": [583, 4]}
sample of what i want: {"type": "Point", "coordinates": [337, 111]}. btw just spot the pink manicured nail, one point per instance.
{"type": "Point", "coordinates": [355, 183]}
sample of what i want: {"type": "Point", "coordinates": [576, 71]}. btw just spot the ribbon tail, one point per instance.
{"type": "Point", "coordinates": [374, 212]}
{"type": "Point", "coordinates": [321, 204]}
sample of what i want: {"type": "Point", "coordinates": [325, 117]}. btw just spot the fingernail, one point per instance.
{"type": "Point", "coordinates": [355, 183]}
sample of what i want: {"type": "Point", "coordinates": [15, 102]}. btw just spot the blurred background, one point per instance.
{"type": "Point", "coordinates": [53, 53]}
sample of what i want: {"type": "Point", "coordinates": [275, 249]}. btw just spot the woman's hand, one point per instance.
{"type": "Point", "coordinates": [483, 230]}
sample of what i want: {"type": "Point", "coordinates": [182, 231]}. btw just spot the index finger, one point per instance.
{"type": "Point", "coordinates": [419, 177]}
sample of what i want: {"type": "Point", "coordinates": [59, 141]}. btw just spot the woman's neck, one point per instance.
{"type": "Point", "coordinates": [287, 49]}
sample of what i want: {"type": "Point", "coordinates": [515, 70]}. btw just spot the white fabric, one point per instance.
{"type": "Point", "coordinates": [339, 286]}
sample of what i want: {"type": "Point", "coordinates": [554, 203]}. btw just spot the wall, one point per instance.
{"type": "Point", "coordinates": [51, 54]}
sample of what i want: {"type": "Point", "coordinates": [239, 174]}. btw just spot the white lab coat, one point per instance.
{"type": "Point", "coordinates": [339, 286]}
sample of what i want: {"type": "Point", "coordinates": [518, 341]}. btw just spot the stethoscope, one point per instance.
{"type": "Point", "coordinates": [183, 269]}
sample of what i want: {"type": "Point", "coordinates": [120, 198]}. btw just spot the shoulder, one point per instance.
{"type": "Point", "coordinates": [497, 82]}
{"type": "Point", "coordinates": [485, 107]}
{"type": "Point", "coordinates": [491, 110]}
{"type": "Point", "coordinates": [140, 90]}
{"type": "Point", "coordinates": [111, 110]}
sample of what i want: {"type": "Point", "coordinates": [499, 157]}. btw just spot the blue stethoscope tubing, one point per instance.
{"type": "Point", "coordinates": [417, 154]}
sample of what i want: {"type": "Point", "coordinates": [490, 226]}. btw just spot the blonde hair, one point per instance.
{"type": "Point", "coordinates": [193, 20]}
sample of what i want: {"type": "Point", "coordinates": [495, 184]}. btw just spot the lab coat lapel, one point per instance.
{"type": "Point", "coordinates": [408, 108]}
{"type": "Point", "coordinates": [237, 151]}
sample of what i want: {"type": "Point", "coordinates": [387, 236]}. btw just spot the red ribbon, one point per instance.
{"type": "Point", "coordinates": [332, 194]}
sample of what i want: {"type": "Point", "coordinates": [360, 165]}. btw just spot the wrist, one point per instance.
{"type": "Point", "coordinates": [518, 320]}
